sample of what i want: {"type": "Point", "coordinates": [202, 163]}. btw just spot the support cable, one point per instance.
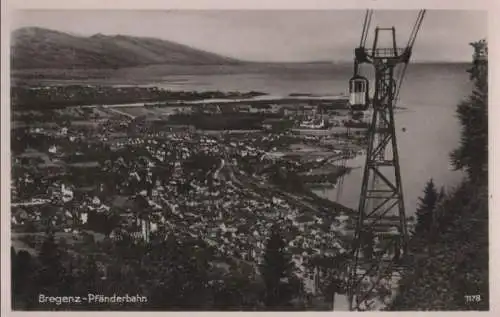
{"type": "Point", "coordinates": [411, 42]}
{"type": "Point", "coordinates": [343, 164]}
{"type": "Point", "coordinates": [362, 42]}
{"type": "Point", "coordinates": [366, 27]}
{"type": "Point", "coordinates": [370, 14]}
{"type": "Point", "coordinates": [393, 93]}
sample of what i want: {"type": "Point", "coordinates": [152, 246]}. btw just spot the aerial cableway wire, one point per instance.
{"type": "Point", "coordinates": [346, 153]}
{"type": "Point", "coordinates": [411, 42]}
{"type": "Point", "coordinates": [343, 161]}
{"type": "Point", "coordinates": [366, 27]}
{"type": "Point", "coordinates": [356, 283]}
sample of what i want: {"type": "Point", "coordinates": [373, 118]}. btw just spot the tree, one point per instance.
{"type": "Point", "coordinates": [275, 271]}
{"type": "Point", "coordinates": [175, 273]}
{"type": "Point", "coordinates": [426, 206]}
{"type": "Point", "coordinates": [51, 272]}
{"type": "Point", "coordinates": [89, 275]}
{"type": "Point", "coordinates": [104, 222]}
{"type": "Point", "coordinates": [15, 276]}
{"type": "Point", "coordinates": [237, 292]}
{"type": "Point", "coordinates": [452, 260]}
{"type": "Point", "coordinates": [22, 269]}
{"type": "Point", "coordinates": [442, 194]}
{"type": "Point", "coordinates": [110, 221]}
{"type": "Point", "coordinates": [333, 272]}
{"type": "Point", "coordinates": [472, 153]}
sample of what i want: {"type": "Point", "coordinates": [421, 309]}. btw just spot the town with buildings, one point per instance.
{"type": "Point", "coordinates": [140, 171]}
{"type": "Point", "coordinates": [237, 161]}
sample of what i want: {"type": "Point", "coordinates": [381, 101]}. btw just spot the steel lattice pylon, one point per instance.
{"type": "Point", "coordinates": [378, 248]}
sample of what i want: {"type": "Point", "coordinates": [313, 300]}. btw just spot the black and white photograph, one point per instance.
{"type": "Point", "coordinates": [248, 160]}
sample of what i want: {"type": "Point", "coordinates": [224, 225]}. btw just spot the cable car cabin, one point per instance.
{"type": "Point", "coordinates": [358, 93]}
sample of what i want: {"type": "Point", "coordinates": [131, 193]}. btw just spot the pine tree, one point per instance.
{"type": "Point", "coordinates": [472, 153]}
{"type": "Point", "coordinates": [426, 208]}
{"type": "Point", "coordinates": [442, 194]}
{"type": "Point", "coordinates": [275, 269]}
{"type": "Point", "coordinates": [90, 274]}
{"type": "Point", "coordinates": [23, 295]}
{"type": "Point", "coordinates": [51, 271]}
{"type": "Point", "coordinates": [14, 269]}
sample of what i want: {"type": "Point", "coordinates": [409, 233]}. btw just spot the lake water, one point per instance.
{"type": "Point", "coordinates": [429, 92]}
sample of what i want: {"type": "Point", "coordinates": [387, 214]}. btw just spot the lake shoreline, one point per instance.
{"type": "Point", "coordinates": [134, 96]}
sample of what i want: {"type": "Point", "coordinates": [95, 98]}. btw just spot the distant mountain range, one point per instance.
{"type": "Point", "coordinates": [42, 48]}
{"type": "Point", "coordinates": [39, 48]}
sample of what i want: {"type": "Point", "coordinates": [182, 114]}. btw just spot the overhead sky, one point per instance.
{"type": "Point", "coordinates": [274, 36]}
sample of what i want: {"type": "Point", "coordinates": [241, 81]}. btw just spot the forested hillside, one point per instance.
{"type": "Point", "coordinates": [450, 246]}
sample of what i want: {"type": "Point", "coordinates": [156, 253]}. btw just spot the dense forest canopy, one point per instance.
{"type": "Point", "coordinates": [450, 246]}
